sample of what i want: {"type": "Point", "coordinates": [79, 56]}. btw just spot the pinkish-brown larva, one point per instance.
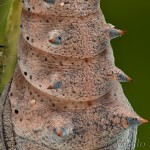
{"type": "Point", "coordinates": [65, 93]}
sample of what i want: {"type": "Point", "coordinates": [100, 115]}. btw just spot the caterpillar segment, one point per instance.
{"type": "Point", "coordinates": [66, 93]}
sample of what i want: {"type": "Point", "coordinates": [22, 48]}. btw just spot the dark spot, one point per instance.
{"type": "Point", "coordinates": [27, 38]}
{"type": "Point", "coordinates": [60, 20]}
{"type": "Point", "coordinates": [53, 105]}
{"type": "Point", "coordinates": [59, 37]}
{"type": "Point", "coordinates": [16, 111]}
{"type": "Point", "coordinates": [11, 94]}
{"type": "Point", "coordinates": [66, 3]}
{"type": "Point", "coordinates": [60, 63]}
{"type": "Point", "coordinates": [88, 124]}
{"type": "Point", "coordinates": [89, 103]}
{"type": "Point", "coordinates": [25, 73]}
{"type": "Point", "coordinates": [30, 77]}
{"type": "Point", "coordinates": [81, 137]}
{"type": "Point", "coordinates": [86, 60]}
{"type": "Point", "coordinates": [36, 131]}
{"type": "Point", "coordinates": [18, 58]}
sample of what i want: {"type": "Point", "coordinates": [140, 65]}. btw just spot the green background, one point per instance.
{"type": "Point", "coordinates": [9, 31]}
{"type": "Point", "coordinates": [132, 55]}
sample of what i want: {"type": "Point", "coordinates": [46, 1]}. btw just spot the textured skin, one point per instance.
{"type": "Point", "coordinates": [65, 93]}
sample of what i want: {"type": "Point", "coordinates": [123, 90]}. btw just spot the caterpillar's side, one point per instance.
{"type": "Point", "coordinates": [65, 93]}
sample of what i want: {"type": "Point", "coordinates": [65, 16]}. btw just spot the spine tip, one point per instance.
{"type": "Point", "coordinates": [136, 121]}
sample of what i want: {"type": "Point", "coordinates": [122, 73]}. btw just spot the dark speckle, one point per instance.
{"type": "Point", "coordinates": [11, 94]}
{"type": "Point", "coordinates": [16, 111]}
{"type": "Point", "coordinates": [27, 38]}
{"type": "Point", "coordinates": [30, 77]}
{"type": "Point", "coordinates": [25, 73]}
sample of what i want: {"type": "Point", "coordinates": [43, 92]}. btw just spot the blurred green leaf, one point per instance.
{"type": "Point", "coordinates": [10, 11]}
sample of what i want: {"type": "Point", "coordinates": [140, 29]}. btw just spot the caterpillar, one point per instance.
{"type": "Point", "coordinates": [66, 93]}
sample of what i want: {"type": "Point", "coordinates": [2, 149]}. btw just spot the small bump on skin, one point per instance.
{"type": "Point", "coordinates": [62, 4]}
{"type": "Point", "coordinates": [56, 85]}
{"type": "Point", "coordinates": [116, 74]}
{"type": "Point", "coordinates": [33, 101]}
{"type": "Point", "coordinates": [58, 132]}
{"type": "Point", "coordinates": [114, 33]}
{"type": "Point", "coordinates": [61, 132]}
{"type": "Point", "coordinates": [56, 40]}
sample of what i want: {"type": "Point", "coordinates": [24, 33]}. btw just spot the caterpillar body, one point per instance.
{"type": "Point", "coordinates": [65, 93]}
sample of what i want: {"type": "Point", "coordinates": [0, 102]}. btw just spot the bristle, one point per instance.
{"type": "Point", "coordinates": [114, 33]}
{"type": "Point", "coordinates": [56, 40]}
{"type": "Point", "coordinates": [117, 74]}
{"type": "Point", "coordinates": [136, 121]}
{"type": "Point", "coordinates": [124, 78]}
{"type": "Point", "coordinates": [122, 32]}
{"type": "Point", "coordinates": [52, 40]}
{"type": "Point", "coordinates": [142, 120]}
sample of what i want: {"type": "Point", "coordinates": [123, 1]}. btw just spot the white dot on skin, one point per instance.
{"type": "Point", "coordinates": [33, 101]}
{"type": "Point", "coordinates": [62, 4]}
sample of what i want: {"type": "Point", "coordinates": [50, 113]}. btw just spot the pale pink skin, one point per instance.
{"type": "Point", "coordinates": [88, 110]}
